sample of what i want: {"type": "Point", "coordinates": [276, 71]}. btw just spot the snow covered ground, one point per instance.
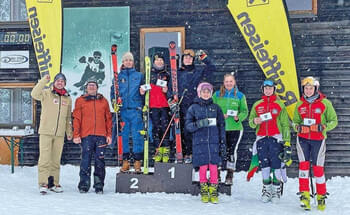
{"type": "Point", "coordinates": [19, 195]}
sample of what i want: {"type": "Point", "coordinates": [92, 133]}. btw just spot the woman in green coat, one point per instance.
{"type": "Point", "coordinates": [234, 106]}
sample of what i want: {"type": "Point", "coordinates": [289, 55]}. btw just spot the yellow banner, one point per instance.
{"type": "Point", "coordinates": [264, 26]}
{"type": "Point", "coordinates": [45, 21]}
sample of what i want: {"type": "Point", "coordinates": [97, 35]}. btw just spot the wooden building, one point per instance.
{"type": "Point", "coordinates": [321, 43]}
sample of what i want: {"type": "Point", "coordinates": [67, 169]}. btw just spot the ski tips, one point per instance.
{"type": "Point", "coordinates": [172, 44]}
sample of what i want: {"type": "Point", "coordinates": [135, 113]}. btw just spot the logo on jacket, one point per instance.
{"type": "Point", "coordinates": [274, 111]}
{"type": "Point", "coordinates": [55, 101]}
{"type": "Point", "coordinates": [260, 110]}
{"type": "Point", "coordinates": [303, 110]}
{"type": "Point", "coordinates": [123, 80]}
{"type": "Point", "coordinates": [317, 110]}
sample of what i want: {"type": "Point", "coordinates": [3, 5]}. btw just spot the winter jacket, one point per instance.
{"type": "Point", "coordinates": [129, 81]}
{"type": "Point", "coordinates": [279, 124]}
{"type": "Point", "coordinates": [206, 141]}
{"type": "Point", "coordinates": [189, 78]}
{"type": "Point", "coordinates": [158, 99]}
{"type": "Point", "coordinates": [232, 100]}
{"type": "Point", "coordinates": [56, 111]}
{"type": "Point", "coordinates": [321, 110]}
{"type": "Point", "coordinates": [92, 116]}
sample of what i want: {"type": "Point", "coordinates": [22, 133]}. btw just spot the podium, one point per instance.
{"type": "Point", "coordinates": [167, 177]}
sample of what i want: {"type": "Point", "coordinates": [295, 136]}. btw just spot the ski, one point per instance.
{"type": "Point", "coordinates": [145, 115]}
{"type": "Point", "coordinates": [118, 102]}
{"type": "Point", "coordinates": [173, 67]}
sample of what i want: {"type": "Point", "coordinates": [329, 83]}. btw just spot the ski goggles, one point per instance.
{"type": "Point", "coordinates": [309, 81]}
{"type": "Point", "coordinates": [268, 83]}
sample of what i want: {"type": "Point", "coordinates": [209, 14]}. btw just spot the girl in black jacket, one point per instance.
{"type": "Point", "coordinates": [206, 122]}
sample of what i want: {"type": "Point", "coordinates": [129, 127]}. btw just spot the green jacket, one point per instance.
{"type": "Point", "coordinates": [56, 111]}
{"type": "Point", "coordinates": [232, 101]}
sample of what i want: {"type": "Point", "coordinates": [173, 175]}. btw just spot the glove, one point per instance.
{"type": "Point", "coordinates": [303, 129]}
{"type": "Point", "coordinates": [223, 155]}
{"type": "Point", "coordinates": [90, 59]}
{"type": "Point", "coordinates": [202, 123]}
{"type": "Point", "coordinates": [174, 106]}
{"type": "Point", "coordinates": [201, 55]}
{"type": "Point", "coordinates": [82, 59]}
{"type": "Point", "coordinates": [286, 155]}
{"type": "Point", "coordinates": [317, 128]}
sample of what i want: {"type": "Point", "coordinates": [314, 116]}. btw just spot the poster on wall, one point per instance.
{"type": "Point", "coordinates": [88, 34]}
{"type": "Point", "coordinates": [14, 59]}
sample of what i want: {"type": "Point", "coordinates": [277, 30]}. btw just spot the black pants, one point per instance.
{"type": "Point", "coordinates": [160, 121]}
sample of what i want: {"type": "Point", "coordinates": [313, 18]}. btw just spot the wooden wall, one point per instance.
{"type": "Point", "coordinates": [322, 49]}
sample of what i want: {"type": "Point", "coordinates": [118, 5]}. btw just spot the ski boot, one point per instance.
{"type": "Point", "coordinates": [159, 154]}
{"type": "Point", "coordinates": [188, 159]}
{"type": "Point", "coordinates": [56, 188]}
{"type": "Point", "coordinates": [276, 193]}
{"type": "Point", "coordinates": [266, 193]}
{"type": "Point", "coordinates": [166, 152]}
{"type": "Point", "coordinates": [321, 202]}
{"type": "Point", "coordinates": [305, 200]}
{"type": "Point", "coordinates": [213, 193]}
{"type": "Point", "coordinates": [204, 193]}
{"type": "Point", "coordinates": [229, 177]}
{"type": "Point", "coordinates": [137, 166]}
{"type": "Point", "coordinates": [125, 167]}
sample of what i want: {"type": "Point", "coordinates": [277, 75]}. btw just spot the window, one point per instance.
{"type": "Point", "coordinates": [16, 105]}
{"type": "Point", "coordinates": [153, 40]}
{"type": "Point", "coordinates": [302, 6]}
{"type": "Point", "coordinates": [13, 10]}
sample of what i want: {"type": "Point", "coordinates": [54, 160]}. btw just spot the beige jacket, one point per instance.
{"type": "Point", "coordinates": [56, 111]}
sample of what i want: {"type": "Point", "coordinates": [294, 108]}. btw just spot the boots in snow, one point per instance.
{"type": "Point", "coordinates": [213, 193]}
{"type": "Point", "coordinates": [266, 193]}
{"type": "Point", "coordinates": [137, 166]}
{"type": "Point", "coordinates": [321, 202]}
{"type": "Point", "coordinates": [305, 200]}
{"type": "Point", "coordinates": [204, 193]}
{"type": "Point", "coordinates": [276, 193]}
{"type": "Point", "coordinates": [158, 156]}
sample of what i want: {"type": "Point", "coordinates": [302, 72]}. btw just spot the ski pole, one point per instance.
{"type": "Point", "coordinates": [171, 120]}
{"type": "Point", "coordinates": [312, 185]}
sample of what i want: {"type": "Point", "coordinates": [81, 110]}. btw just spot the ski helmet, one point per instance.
{"type": "Point", "coordinates": [97, 54]}
{"type": "Point", "coordinates": [204, 86]}
{"type": "Point", "coordinates": [268, 83]}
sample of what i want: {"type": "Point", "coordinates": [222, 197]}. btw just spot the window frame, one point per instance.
{"type": "Point", "coordinates": [143, 31]}
{"type": "Point", "coordinates": [25, 85]}
{"type": "Point", "coordinates": [313, 11]}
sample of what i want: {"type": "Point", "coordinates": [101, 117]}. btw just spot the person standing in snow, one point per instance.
{"type": "Point", "coordinates": [314, 115]}
{"type": "Point", "coordinates": [188, 77]}
{"type": "Point", "coordinates": [130, 91]}
{"type": "Point", "coordinates": [55, 122]}
{"type": "Point", "coordinates": [234, 106]}
{"type": "Point", "coordinates": [270, 119]}
{"type": "Point", "coordinates": [159, 111]}
{"type": "Point", "coordinates": [92, 130]}
{"type": "Point", "coordinates": [206, 122]}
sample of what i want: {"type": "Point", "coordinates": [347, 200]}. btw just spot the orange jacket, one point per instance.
{"type": "Point", "coordinates": [92, 117]}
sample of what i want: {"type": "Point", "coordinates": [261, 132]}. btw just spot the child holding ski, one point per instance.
{"type": "Point", "coordinates": [205, 121]}
{"type": "Point", "coordinates": [234, 106]}
{"type": "Point", "coordinates": [159, 107]}
{"type": "Point", "coordinates": [314, 115]}
{"type": "Point", "coordinates": [130, 81]}
{"type": "Point", "coordinates": [188, 78]}
{"type": "Point", "coordinates": [270, 119]}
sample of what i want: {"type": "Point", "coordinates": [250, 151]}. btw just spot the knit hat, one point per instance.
{"type": "Point", "coordinates": [158, 55]}
{"type": "Point", "coordinates": [127, 56]}
{"type": "Point", "coordinates": [60, 76]}
{"type": "Point", "coordinates": [204, 86]}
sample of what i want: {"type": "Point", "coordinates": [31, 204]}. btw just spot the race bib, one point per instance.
{"type": "Point", "coordinates": [232, 112]}
{"type": "Point", "coordinates": [146, 87]}
{"type": "Point", "coordinates": [161, 83]}
{"type": "Point", "coordinates": [265, 116]}
{"type": "Point", "coordinates": [212, 121]}
{"type": "Point", "coordinates": [308, 121]}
